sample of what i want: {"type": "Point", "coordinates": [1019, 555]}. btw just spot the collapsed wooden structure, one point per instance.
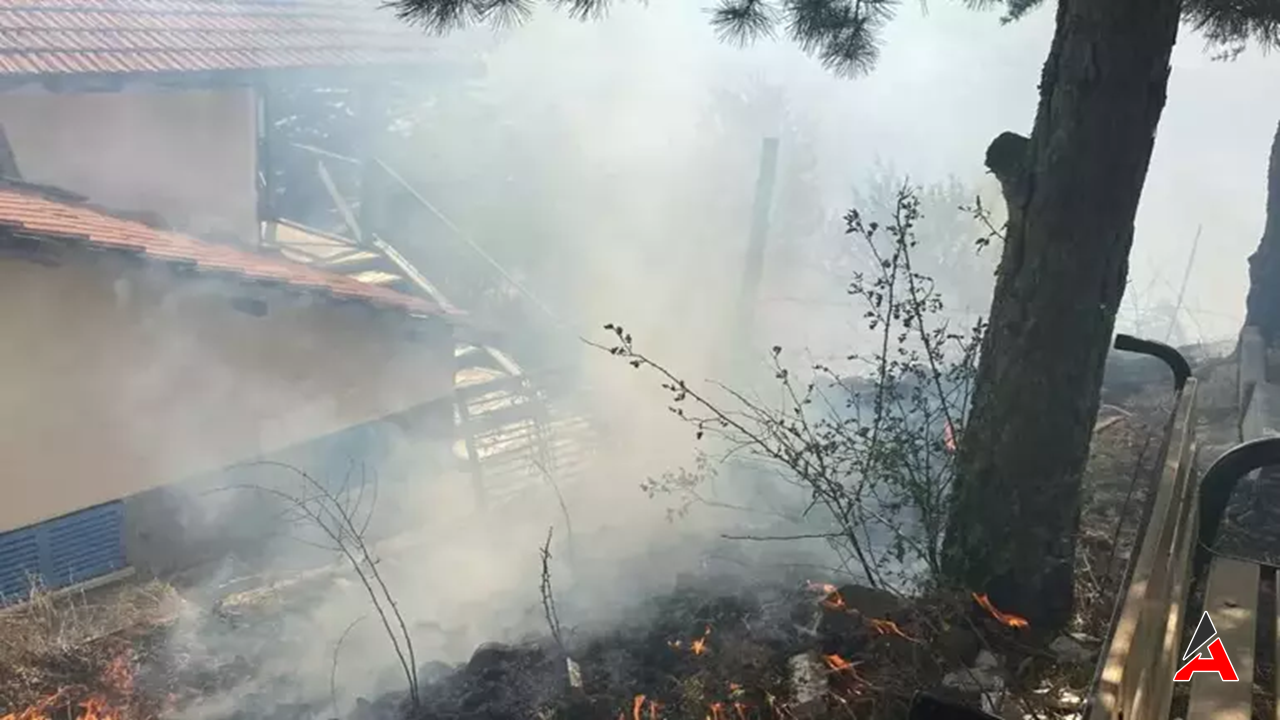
{"type": "Point", "coordinates": [515, 425]}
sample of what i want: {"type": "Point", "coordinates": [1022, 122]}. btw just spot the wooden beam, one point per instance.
{"type": "Point", "coordinates": [412, 273]}
{"type": "Point", "coordinates": [370, 99]}
{"type": "Point", "coordinates": [1127, 686]}
{"type": "Point", "coordinates": [1232, 602]}
{"type": "Point", "coordinates": [344, 208]}
{"type": "Point", "coordinates": [312, 231]}
{"type": "Point", "coordinates": [1164, 665]}
{"type": "Point", "coordinates": [8, 163]}
{"type": "Point", "coordinates": [473, 454]}
{"type": "Point", "coordinates": [324, 153]}
{"type": "Point", "coordinates": [266, 171]}
{"type": "Point", "coordinates": [753, 268]}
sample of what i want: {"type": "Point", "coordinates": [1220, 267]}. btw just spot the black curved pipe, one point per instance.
{"type": "Point", "coordinates": [1171, 357]}
{"type": "Point", "coordinates": [1221, 478]}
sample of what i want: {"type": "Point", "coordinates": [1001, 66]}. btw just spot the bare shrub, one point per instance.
{"type": "Point", "coordinates": [871, 450]}
{"type": "Point", "coordinates": [342, 517]}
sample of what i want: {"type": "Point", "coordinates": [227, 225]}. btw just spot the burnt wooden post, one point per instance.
{"type": "Point", "coordinates": [8, 164]}
{"type": "Point", "coordinates": [466, 428]}
{"type": "Point", "coordinates": [370, 109]}
{"type": "Point", "coordinates": [753, 271]}
{"type": "Point", "coordinates": [266, 174]}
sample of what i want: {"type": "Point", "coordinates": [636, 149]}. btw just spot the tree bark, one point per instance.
{"type": "Point", "coordinates": [1263, 304]}
{"type": "Point", "coordinates": [1072, 190]}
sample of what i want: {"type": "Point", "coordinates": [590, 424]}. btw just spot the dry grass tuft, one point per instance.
{"type": "Point", "coordinates": [56, 641]}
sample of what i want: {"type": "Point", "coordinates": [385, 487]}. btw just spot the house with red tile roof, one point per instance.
{"type": "Point", "coordinates": [154, 330]}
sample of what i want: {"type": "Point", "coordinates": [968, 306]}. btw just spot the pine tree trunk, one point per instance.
{"type": "Point", "coordinates": [1072, 191]}
{"type": "Point", "coordinates": [1264, 265]}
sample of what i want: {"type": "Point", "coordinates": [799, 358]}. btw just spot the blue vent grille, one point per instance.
{"type": "Point", "coordinates": [63, 551]}
{"type": "Point", "coordinates": [19, 560]}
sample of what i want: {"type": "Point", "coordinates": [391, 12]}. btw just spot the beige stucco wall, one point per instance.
{"type": "Point", "coordinates": [190, 155]}
{"type": "Point", "coordinates": [119, 376]}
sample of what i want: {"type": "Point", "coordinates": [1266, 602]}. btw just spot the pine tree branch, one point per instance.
{"type": "Point", "coordinates": [844, 35]}
{"type": "Point", "coordinates": [1234, 23]}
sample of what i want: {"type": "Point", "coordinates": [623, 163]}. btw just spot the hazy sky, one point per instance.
{"type": "Point", "coordinates": [948, 81]}
{"type": "Point", "coordinates": [951, 80]}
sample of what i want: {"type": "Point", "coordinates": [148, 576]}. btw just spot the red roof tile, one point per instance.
{"type": "Point", "coordinates": [39, 216]}
{"type": "Point", "coordinates": [67, 37]}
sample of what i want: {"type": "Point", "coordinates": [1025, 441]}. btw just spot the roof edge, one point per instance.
{"type": "Point", "coordinates": [411, 307]}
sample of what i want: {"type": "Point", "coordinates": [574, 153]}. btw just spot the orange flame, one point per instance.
{"type": "Point", "coordinates": [699, 646]}
{"type": "Point", "coordinates": [839, 664]}
{"type": "Point", "coordinates": [37, 711]}
{"type": "Point", "coordinates": [949, 437]}
{"type": "Point", "coordinates": [834, 601]}
{"type": "Point", "coordinates": [117, 679]}
{"type": "Point", "coordinates": [717, 711]}
{"type": "Point", "coordinates": [831, 598]}
{"type": "Point", "coordinates": [889, 627]}
{"type": "Point", "coordinates": [95, 707]}
{"type": "Point", "coordinates": [1007, 619]}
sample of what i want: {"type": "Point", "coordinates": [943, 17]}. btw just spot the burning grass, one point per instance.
{"type": "Point", "coordinates": [724, 649]}
{"type": "Point", "coordinates": [76, 655]}
{"type": "Point", "coordinates": [714, 649]}
{"type": "Point", "coordinates": [767, 651]}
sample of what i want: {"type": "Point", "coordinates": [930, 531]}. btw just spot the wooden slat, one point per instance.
{"type": "Point", "coordinates": [1232, 602]}
{"type": "Point", "coordinates": [353, 261]}
{"type": "Point", "coordinates": [1148, 683]}
{"type": "Point", "coordinates": [473, 457]}
{"type": "Point", "coordinates": [1126, 687]}
{"type": "Point", "coordinates": [417, 278]}
{"type": "Point", "coordinates": [1166, 663]}
{"type": "Point", "coordinates": [376, 277]}
{"type": "Point", "coordinates": [306, 236]}
{"type": "Point", "coordinates": [339, 202]}
{"type": "Point", "coordinates": [499, 386]}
